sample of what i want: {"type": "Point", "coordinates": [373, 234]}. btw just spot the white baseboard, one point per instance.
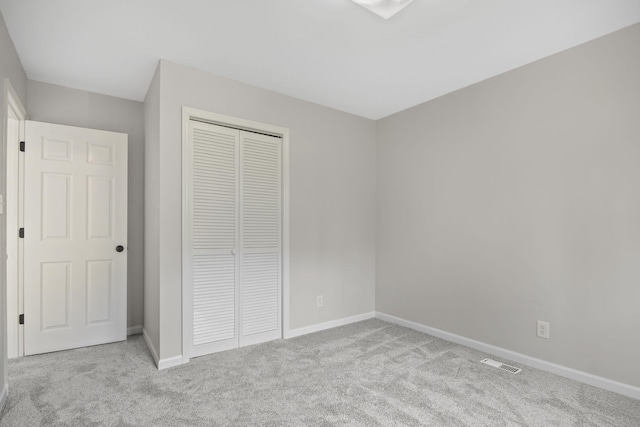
{"type": "Point", "coordinates": [134, 330]}
{"type": "Point", "coordinates": [152, 349]}
{"type": "Point", "coordinates": [161, 364]}
{"type": "Point", "coordinates": [328, 325]}
{"type": "Point", "coordinates": [4, 394]}
{"type": "Point", "coordinates": [574, 374]}
{"type": "Point", "coordinates": [169, 362]}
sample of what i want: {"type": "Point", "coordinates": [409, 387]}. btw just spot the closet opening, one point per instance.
{"type": "Point", "coordinates": [235, 232]}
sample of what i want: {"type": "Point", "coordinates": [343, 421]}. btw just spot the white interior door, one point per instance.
{"type": "Point", "coordinates": [233, 238]}
{"type": "Point", "coordinates": [75, 237]}
{"type": "Point", "coordinates": [260, 238]}
{"type": "Point", "coordinates": [212, 270]}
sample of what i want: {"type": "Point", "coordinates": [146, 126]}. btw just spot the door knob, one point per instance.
{"type": "Point", "coordinates": [119, 248]}
{"type": "Point", "coordinates": [233, 251]}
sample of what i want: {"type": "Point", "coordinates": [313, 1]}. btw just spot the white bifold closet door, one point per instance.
{"type": "Point", "coordinates": [232, 248]}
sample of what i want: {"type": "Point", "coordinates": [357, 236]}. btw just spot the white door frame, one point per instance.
{"type": "Point", "coordinates": [189, 114]}
{"type": "Point", "coordinates": [13, 211]}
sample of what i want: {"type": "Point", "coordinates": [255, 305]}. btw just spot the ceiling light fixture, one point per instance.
{"type": "Point", "coordinates": [384, 8]}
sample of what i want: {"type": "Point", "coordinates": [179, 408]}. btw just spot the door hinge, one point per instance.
{"type": "Point", "coordinates": [22, 144]}
{"type": "Point", "coordinates": [21, 319]}
{"type": "Point", "coordinates": [21, 233]}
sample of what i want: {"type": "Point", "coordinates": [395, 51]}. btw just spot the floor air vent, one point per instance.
{"type": "Point", "coordinates": [501, 365]}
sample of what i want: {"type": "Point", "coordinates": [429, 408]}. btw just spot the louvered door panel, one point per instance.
{"type": "Point", "coordinates": [260, 191]}
{"type": "Point", "coordinates": [214, 294]}
{"type": "Point", "coordinates": [214, 233]}
{"type": "Point", "coordinates": [260, 293]}
{"type": "Point", "coordinates": [260, 235]}
{"type": "Point", "coordinates": [214, 190]}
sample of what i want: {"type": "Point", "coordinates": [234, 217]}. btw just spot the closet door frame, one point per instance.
{"type": "Point", "coordinates": [189, 114]}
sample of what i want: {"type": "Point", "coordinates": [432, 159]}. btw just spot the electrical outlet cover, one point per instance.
{"type": "Point", "coordinates": [543, 329]}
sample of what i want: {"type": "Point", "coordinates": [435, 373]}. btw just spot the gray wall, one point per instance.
{"type": "Point", "coordinates": [517, 199]}
{"type": "Point", "coordinates": [10, 65]}
{"type": "Point", "coordinates": [73, 107]}
{"type": "Point", "coordinates": [11, 68]}
{"type": "Point", "coordinates": [332, 174]}
{"type": "Point", "coordinates": [152, 214]}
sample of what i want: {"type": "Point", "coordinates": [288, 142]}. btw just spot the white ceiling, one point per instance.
{"type": "Point", "coordinates": [331, 52]}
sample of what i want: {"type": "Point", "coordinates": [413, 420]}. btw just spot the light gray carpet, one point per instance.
{"type": "Point", "coordinates": [370, 373]}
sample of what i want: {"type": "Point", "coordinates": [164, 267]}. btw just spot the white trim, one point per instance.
{"type": "Point", "coordinates": [4, 394]}
{"type": "Point", "coordinates": [14, 100]}
{"type": "Point", "coordinates": [188, 114]}
{"type": "Point", "coordinates": [14, 289]}
{"type": "Point", "coordinates": [187, 297]}
{"type": "Point", "coordinates": [583, 377]}
{"type": "Point", "coordinates": [329, 325]}
{"type": "Point", "coordinates": [170, 362]}
{"type": "Point", "coordinates": [134, 330]}
{"type": "Point", "coordinates": [152, 349]}
{"type": "Point", "coordinates": [285, 304]}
